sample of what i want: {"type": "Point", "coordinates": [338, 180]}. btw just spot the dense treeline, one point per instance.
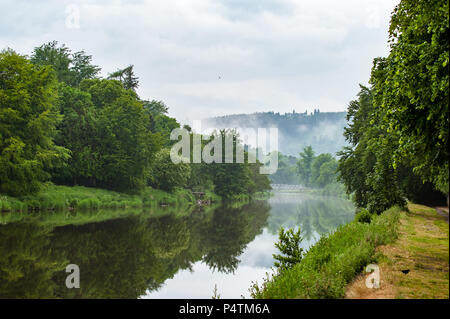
{"type": "Point", "coordinates": [60, 121]}
{"type": "Point", "coordinates": [318, 170]}
{"type": "Point", "coordinates": [398, 127]}
{"type": "Point", "coordinates": [310, 170]}
{"type": "Point", "coordinates": [321, 130]}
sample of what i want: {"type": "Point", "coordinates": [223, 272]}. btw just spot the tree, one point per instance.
{"type": "Point", "coordinates": [77, 132]}
{"type": "Point", "coordinates": [366, 167]}
{"type": "Point", "coordinates": [327, 173]}
{"type": "Point", "coordinates": [124, 143]}
{"type": "Point", "coordinates": [304, 165]}
{"type": "Point", "coordinates": [286, 172]}
{"type": "Point", "coordinates": [234, 178]}
{"type": "Point", "coordinates": [70, 68]}
{"type": "Point", "coordinates": [166, 175]}
{"type": "Point", "coordinates": [156, 107]}
{"type": "Point", "coordinates": [28, 120]}
{"type": "Point", "coordinates": [129, 80]}
{"type": "Point", "coordinates": [289, 246]}
{"type": "Point", "coordinates": [411, 85]}
{"type": "Point", "coordinates": [316, 168]}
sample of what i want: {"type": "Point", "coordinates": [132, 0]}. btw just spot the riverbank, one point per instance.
{"type": "Point", "coordinates": [58, 198]}
{"type": "Point", "coordinates": [333, 261]}
{"type": "Point", "coordinates": [417, 264]}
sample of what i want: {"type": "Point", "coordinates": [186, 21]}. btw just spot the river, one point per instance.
{"type": "Point", "coordinates": [159, 253]}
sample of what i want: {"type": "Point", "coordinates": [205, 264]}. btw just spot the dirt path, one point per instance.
{"type": "Point", "coordinates": [443, 211]}
{"type": "Point", "coordinates": [414, 266]}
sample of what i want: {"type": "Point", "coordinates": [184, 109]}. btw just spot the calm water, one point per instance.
{"type": "Point", "coordinates": [156, 254]}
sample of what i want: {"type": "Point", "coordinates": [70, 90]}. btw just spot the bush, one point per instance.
{"type": "Point", "coordinates": [363, 216]}
{"type": "Point", "coordinates": [289, 246]}
{"type": "Point", "coordinates": [5, 205]}
{"type": "Point", "coordinates": [84, 204]}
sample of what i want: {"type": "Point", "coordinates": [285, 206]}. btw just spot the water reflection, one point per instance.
{"type": "Point", "coordinates": [155, 254]}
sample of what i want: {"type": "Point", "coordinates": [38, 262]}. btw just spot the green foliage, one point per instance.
{"type": "Point", "coordinates": [323, 170]}
{"type": "Point", "coordinates": [232, 179]}
{"type": "Point", "coordinates": [112, 135]}
{"type": "Point", "coordinates": [28, 120]}
{"type": "Point", "coordinates": [328, 266]}
{"type": "Point", "coordinates": [166, 175]}
{"type": "Point", "coordinates": [129, 80]}
{"type": "Point", "coordinates": [411, 87]}
{"type": "Point", "coordinates": [70, 68]}
{"type": "Point", "coordinates": [366, 168]}
{"type": "Point", "coordinates": [304, 165]}
{"type": "Point", "coordinates": [317, 171]}
{"type": "Point", "coordinates": [363, 216]}
{"type": "Point", "coordinates": [286, 172]}
{"type": "Point", "coordinates": [75, 198]}
{"type": "Point", "coordinates": [289, 246]}
{"type": "Point", "coordinates": [105, 126]}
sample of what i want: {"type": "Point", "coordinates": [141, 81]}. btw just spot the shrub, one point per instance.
{"type": "Point", "coordinates": [364, 216]}
{"type": "Point", "coordinates": [289, 246]}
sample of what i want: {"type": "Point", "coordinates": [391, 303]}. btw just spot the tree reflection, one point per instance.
{"type": "Point", "coordinates": [313, 214]}
{"type": "Point", "coordinates": [229, 233]}
{"type": "Point", "coordinates": [122, 257]}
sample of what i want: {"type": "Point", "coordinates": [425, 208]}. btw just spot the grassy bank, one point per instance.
{"type": "Point", "coordinates": [58, 198]}
{"type": "Point", "coordinates": [422, 250]}
{"type": "Point", "coordinates": [333, 261]}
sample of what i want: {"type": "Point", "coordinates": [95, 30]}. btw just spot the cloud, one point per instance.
{"type": "Point", "coordinates": [213, 57]}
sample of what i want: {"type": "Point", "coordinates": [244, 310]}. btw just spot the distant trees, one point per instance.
{"type": "Point", "coordinates": [304, 165]}
{"type": "Point", "coordinates": [316, 171]}
{"type": "Point", "coordinates": [232, 179]}
{"type": "Point", "coordinates": [321, 130]}
{"type": "Point", "coordinates": [287, 170]}
{"type": "Point", "coordinates": [28, 120]}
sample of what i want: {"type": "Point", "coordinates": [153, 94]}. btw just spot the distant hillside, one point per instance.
{"type": "Point", "coordinates": [322, 130]}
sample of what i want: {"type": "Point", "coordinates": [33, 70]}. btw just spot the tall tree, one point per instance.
{"type": "Point", "coordinates": [304, 165]}
{"type": "Point", "coordinates": [411, 85]}
{"type": "Point", "coordinates": [70, 68]}
{"type": "Point", "coordinates": [129, 80]}
{"type": "Point", "coordinates": [28, 119]}
{"type": "Point", "coordinates": [366, 167]}
{"type": "Point", "coordinates": [124, 143]}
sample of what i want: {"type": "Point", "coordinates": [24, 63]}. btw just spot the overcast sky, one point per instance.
{"type": "Point", "coordinates": [214, 57]}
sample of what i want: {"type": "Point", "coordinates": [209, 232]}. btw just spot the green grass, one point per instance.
{"type": "Point", "coordinates": [333, 261]}
{"type": "Point", "coordinates": [59, 198]}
